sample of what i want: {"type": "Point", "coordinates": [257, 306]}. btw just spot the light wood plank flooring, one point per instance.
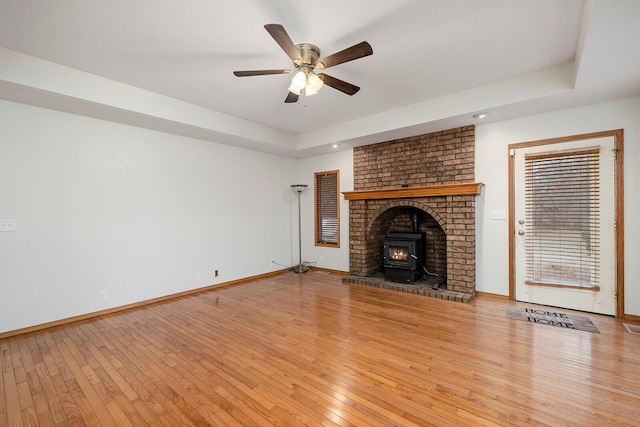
{"type": "Point", "coordinates": [306, 349]}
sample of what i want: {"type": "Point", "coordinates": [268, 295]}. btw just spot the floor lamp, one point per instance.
{"type": "Point", "coordinates": [301, 268]}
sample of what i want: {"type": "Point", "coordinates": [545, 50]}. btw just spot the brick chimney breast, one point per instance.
{"type": "Point", "coordinates": [435, 159]}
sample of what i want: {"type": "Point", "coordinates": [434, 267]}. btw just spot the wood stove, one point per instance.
{"type": "Point", "coordinates": [403, 256]}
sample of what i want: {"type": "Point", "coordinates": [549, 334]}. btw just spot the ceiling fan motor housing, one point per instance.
{"type": "Point", "coordinates": [309, 53]}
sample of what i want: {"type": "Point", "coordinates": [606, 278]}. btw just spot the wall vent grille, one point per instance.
{"type": "Point", "coordinates": [632, 329]}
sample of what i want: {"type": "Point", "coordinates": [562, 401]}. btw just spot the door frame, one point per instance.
{"type": "Point", "coordinates": [618, 135]}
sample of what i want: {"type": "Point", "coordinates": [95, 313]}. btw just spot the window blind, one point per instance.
{"type": "Point", "coordinates": [562, 218]}
{"type": "Point", "coordinates": [327, 210]}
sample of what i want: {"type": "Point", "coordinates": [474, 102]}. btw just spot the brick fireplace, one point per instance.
{"type": "Point", "coordinates": [430, 176]}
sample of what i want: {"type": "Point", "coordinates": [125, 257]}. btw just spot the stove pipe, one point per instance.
{"type": "Point", "coordinates": [414, 221]}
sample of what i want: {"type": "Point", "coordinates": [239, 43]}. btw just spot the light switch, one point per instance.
{"type": "Point", "coordinates": [498, 214]}
{"type": "Point", "coordinates": [8, 225]}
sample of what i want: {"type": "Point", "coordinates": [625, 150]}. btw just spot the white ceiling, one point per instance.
{"type": "Point", "coordinates": [435, 63]}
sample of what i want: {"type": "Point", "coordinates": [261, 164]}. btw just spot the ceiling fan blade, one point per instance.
{"type": "Point", "coordinates": [259, 72]}
{"type": "Point", "coordinates": [338, 84]}
{"type": "Point", "coordinates": [349, 54]}
{"type": "Point", "coordinates": [291, 97]}
{"type": "Point", "coordinates": [281, 37]}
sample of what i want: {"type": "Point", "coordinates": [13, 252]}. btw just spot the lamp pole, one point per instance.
{"type": "Point", "coordinates": [299, 188]}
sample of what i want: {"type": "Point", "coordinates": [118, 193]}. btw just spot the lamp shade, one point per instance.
{"type": "Point", "coordinates": [298, 82]}
{"type": "Point", "coordinates": [314, 84]}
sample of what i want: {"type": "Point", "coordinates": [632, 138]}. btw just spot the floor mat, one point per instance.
{"type": "Point", "coordinates": [552, 318]}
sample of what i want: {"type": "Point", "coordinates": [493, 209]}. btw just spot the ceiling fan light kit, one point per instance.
{"type": "Point", "coordinates": [305, 57]}
{"type": "Point", "coordinates": [305, 79]}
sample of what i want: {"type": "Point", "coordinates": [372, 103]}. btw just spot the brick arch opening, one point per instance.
{"type": "Point", "coordinates": [397, 216]}
{"type": "Point", "coordinates": [406, 203]}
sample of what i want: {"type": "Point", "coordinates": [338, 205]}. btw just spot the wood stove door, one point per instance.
{"type": "Point", "coordinates": [564, 225]}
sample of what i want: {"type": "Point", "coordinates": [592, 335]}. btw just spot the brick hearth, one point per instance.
{"type": "Point", "coordinates": [433, 175]}
{"type": "Point", "coordinates": [424, 287]}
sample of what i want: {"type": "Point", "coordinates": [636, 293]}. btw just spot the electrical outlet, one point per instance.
{"type": "Point", "coordinates": [197, 277]}
{"type": "Point", "coordinates": [320, 258]}
{"type": "Point", "coordinates": [215, 273]}
{"type": "Point", "coordinates": [273, 261]}
{"type": "Point", "coordinates": [102, 296]}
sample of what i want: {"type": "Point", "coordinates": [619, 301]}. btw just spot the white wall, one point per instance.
{"type": "Point", "coordinates": [136, 212]}
{"type": "Point", "coordinates": [325, 257]}
{"type": "Point", "coordinates": [104, 206]}
{"type": "Point", "coordinates": [492, 141]}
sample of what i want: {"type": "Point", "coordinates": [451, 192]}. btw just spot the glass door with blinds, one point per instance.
{"type": "Point", "coordinates": [564, 212]}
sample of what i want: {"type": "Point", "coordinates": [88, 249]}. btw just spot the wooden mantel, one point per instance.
{"type": "Point", "coordinates": [409, 192]}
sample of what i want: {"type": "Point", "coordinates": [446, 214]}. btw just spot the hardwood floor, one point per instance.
{"type": "Point", "coordinates": [305, 349]}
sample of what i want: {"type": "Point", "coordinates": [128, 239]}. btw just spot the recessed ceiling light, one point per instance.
{"type": "Point", "coordinates": [335, 145]}
{"type": "Point", "coordinates": [481, 115]}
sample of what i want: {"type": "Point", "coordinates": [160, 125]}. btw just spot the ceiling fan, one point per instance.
{"type": "Point", "coordinates": [306, 58]}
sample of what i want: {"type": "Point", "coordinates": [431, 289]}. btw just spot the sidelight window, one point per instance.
{"type": "Point", "coordinates": [327, 209]}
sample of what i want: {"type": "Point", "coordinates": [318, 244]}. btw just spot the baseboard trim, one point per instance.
{"type": "Point", "coordinates": [490, 295]}
{"type": "Point", "coordinates": [632, 317]}
{"type": "Point", "coordinates": [112, 310]}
